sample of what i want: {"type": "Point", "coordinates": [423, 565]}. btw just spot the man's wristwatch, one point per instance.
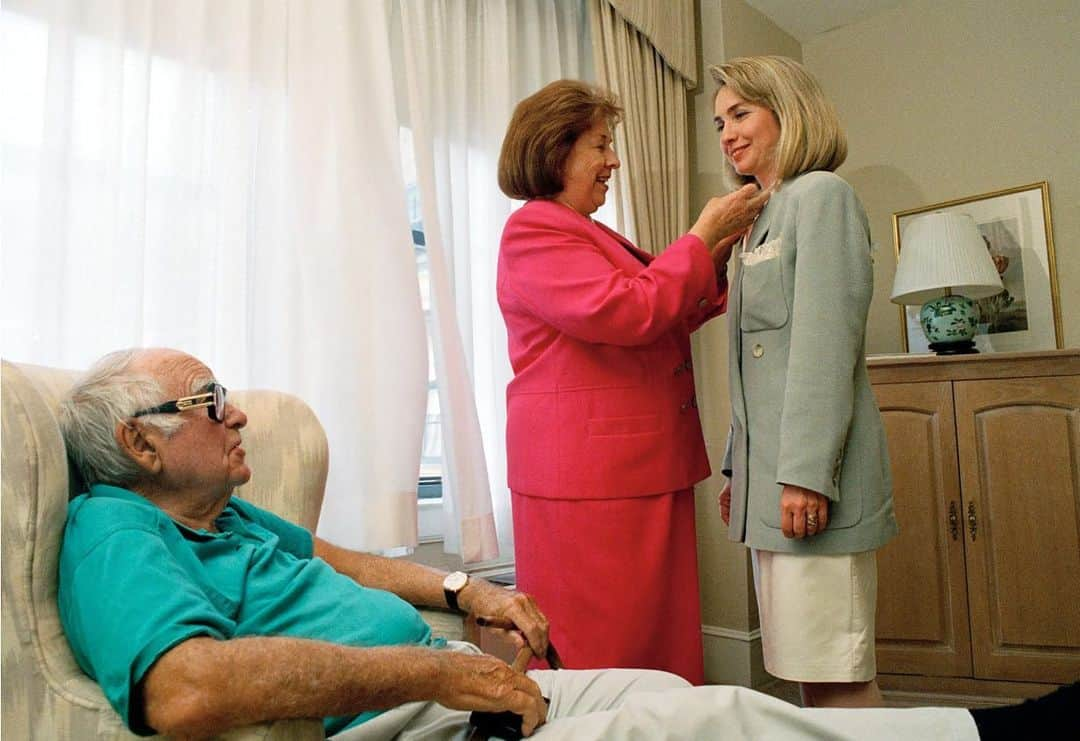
{"type": "Point", "coordinates": [452, 586]}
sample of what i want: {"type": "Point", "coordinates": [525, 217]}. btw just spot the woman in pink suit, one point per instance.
{"type": "Point", "coordinates": [604, 442]}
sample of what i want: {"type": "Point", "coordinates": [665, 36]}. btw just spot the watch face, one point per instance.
{"type": "Point", "coordinates": [456, 581]}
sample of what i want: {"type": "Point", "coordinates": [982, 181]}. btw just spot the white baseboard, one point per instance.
{"type": "Point", "coordinates": [731, 633]}
{"type": "Point", "coordinates": [733, 656]}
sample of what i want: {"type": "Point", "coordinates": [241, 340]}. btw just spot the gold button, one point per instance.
{"type": "Point", "coordinates": [703, 303]}
{"type": "Point", "coordinates": [758, 351]}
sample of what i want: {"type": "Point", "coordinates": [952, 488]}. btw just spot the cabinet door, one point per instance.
{"type": "Point", "coordinates": [1019, 445]}
{"type": "Point", "coordinates": [922, 613]}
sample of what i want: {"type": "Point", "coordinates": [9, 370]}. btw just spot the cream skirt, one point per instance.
{"type": "Point", "coordinates": [817, 615]}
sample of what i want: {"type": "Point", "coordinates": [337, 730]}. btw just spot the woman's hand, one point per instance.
{"type": "Point", "coordinates": [729, 215]}
{"type": "Point", "coordinates": [721, 253]}
{"type": "Point", "coordinates": [724, 501]}
{"type": "Point", "coordinates": [802, 512]}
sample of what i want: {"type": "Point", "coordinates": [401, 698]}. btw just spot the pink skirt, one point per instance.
{"type": "Point", "coordinates": [617, 578]}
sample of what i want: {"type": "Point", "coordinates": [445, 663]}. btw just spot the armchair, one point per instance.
{"type": "Point", "coordinates": [45, 693]}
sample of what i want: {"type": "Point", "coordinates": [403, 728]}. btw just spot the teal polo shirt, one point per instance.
{"type": "Point", "coordinates": [133, 583]}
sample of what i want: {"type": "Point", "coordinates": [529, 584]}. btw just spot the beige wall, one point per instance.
{"type": "Point", "coordinates": [945, 100]}
{"type": "Point", "coordinates": [727, 28]}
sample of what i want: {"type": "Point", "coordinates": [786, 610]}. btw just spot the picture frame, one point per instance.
{"type": "Point", "coordinates": [1015, 224]}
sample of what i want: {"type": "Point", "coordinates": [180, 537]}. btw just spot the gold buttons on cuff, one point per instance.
{"type": "Point", "coordinates": [757, 351]}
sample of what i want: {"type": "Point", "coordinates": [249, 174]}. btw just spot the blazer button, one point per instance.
{"type": "Point", "coordinates": [758, 351]}
{"type": "Point", "coordinates": [702, 303]}
{"type": "Point", "coordinates": [684, 406]}
{"type": "Point", "coordinates": [679, 369]}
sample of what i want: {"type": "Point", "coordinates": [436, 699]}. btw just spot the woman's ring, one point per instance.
{"type": "Point", "coordinates": [811, 522]}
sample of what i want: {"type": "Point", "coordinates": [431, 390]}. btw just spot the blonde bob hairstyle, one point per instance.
{"type": "Point", "coordinates": [542, 132]}
{"type": "Point", "coordinates": [810, 134]}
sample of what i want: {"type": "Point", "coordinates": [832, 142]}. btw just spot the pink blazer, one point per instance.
{"type": "Point", "coordinates": [602, 401]}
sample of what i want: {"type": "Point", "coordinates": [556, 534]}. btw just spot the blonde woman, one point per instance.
{"type": "Point", "coordinates": [809, 488]}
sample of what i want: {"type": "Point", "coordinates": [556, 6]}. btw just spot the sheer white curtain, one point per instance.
{"type": "Point", "coordinates": [467, 63]}
{"type": "Point", "coordinates": [222, 176]}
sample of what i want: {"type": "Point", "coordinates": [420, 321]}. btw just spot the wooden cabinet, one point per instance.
{"type": "Point", "coordinates": [983, 581]}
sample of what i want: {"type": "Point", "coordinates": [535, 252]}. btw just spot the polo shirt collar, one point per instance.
{"type": "Point", "coordinates": [226, 521]}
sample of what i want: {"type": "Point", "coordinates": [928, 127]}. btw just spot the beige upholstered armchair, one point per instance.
{"type": "Point", "coordinates": [45, 694]}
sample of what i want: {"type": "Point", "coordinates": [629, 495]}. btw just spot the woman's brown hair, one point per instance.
{"type": "Point", "coordinates": [542, 132]}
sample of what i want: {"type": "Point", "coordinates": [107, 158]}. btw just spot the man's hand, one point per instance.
{"type": "Point", "coordinates": [724, 501]}
{"type": "Point", "coordinates": [802, 512]}
{"type": "Point", "coordinates": [481, 682]}
{"type": "Point", "coordinates": [482, 598]}
{"type": "Point", "coordinates": [204, 686]}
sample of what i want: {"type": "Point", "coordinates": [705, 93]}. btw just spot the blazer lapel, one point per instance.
{"type": "Point", "coordinates": [758, 232]}
{"type": "Point", "coordinates": [623, 247]}
{"type": "Point", "coordinates": [738, 397]}
{"type": "Point", "coordinates": [760, 228]}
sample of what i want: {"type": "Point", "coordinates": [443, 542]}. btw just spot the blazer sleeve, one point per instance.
{"type": "Point", "coordinates": [833, 285]}
{"type": "Point", "coordinates": [563, 276]}
{"type": "Point", "coordinates": [716, 308]}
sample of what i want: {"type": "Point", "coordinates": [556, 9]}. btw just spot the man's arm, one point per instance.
{"type": "Point", "coordinates": [422, 585]}
{"type": "Point", "coordinates": [204, 686]}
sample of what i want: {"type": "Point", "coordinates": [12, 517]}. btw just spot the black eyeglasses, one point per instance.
{"type": "Point", "coordinates": [213, 398]}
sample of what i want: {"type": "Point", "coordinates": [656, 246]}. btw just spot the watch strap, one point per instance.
{"type": "Point", "coordinates": [451, 595]}
{"type": "Point", "coordinates": [451, 599]}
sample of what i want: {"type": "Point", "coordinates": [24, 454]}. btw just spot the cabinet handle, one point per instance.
{"type": "Point", "coordinates": [973, 523]}
{"type": "Point", "coordinates": [954, 521]}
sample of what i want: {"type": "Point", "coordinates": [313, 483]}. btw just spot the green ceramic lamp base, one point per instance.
{"type": "Point", "coordinates": [949, 323]}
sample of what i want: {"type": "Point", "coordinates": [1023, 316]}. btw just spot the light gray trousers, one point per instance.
{"type": "Point", "coordinates": [612, 704]}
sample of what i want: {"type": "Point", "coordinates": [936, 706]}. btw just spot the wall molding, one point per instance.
{"type": "Point", "coordinates": [731, 633]}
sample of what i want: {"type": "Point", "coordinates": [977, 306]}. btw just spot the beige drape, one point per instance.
{"type": "Point", "coordinates": [644, 52]}
{"type": "Point", "coordinates": [669, 26]}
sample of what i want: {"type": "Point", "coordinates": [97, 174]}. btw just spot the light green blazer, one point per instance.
{"type": "Point", "coordinates": [801, 406]}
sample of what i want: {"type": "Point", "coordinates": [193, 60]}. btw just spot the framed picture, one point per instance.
{"type": "Point", "coordinates": [1015, 225]}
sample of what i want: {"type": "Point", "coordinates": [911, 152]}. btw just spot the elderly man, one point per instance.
{"type": "Point", "coordinates": [198, 612]}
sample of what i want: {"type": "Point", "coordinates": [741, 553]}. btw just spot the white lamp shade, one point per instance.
{"type": "Point", "coordinates": [940, 252]}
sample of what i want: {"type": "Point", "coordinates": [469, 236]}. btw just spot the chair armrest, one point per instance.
{"type": "Point", "coordinates": [444, 623]}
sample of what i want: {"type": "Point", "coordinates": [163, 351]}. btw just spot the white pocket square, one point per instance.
{"type": "Point", "coordinates": [765, 251]}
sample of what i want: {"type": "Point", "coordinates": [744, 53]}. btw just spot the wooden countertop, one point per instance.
{"type": "Point", "coordinates": [908, 368]}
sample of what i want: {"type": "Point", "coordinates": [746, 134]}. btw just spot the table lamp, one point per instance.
{"type": "Point", "coordinates": [944, 264]}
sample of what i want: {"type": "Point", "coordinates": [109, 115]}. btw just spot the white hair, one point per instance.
{"type": "Point", "coordinates": [107, 395]}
